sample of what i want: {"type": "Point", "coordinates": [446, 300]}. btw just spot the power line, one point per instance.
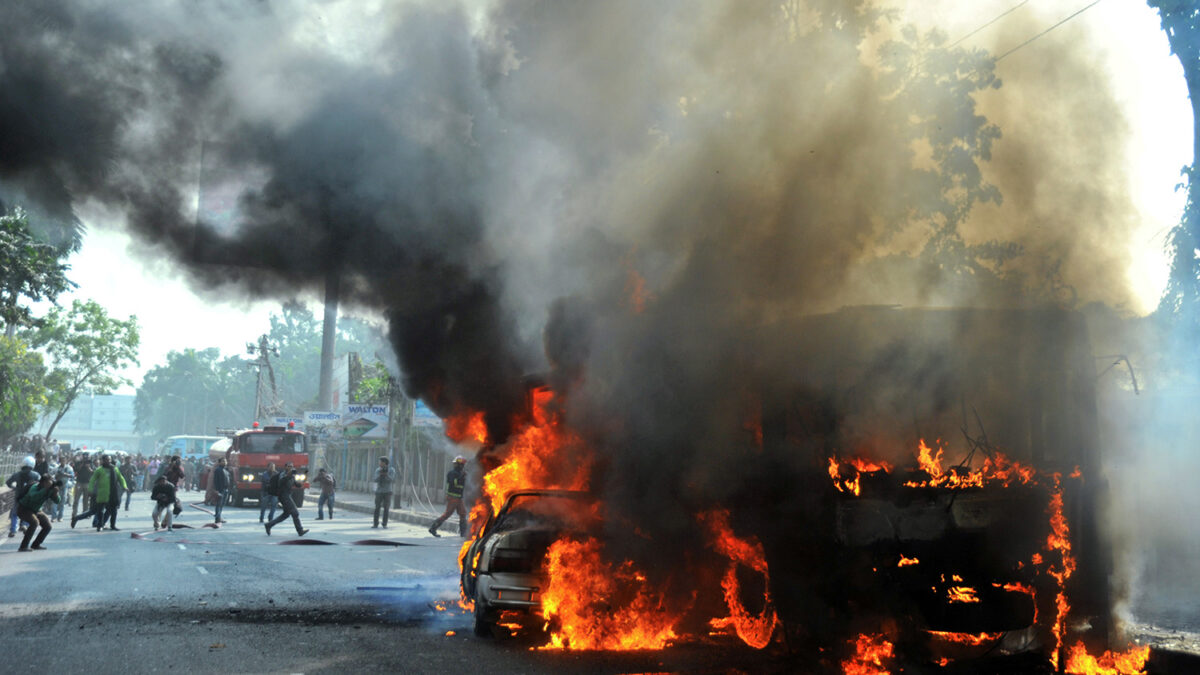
{"type": "Point", "coordinates": [1081, 11]}
{"type": "Point", "coordinates": [1010, 11]}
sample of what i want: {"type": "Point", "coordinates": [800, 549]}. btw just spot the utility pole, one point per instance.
{"type": "Point", "coordinates": [266, 396]}
{"type": "Point", "coordinates": [328, 334]}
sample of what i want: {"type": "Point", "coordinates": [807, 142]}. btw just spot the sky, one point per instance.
{"type": "Point", "coordinates": [1147, 80]}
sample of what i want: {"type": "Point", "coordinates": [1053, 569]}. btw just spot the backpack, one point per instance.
{"type": "Point", "coordinates": [273, 484]}
{"type": "Point", "coordinates": [25, 482]}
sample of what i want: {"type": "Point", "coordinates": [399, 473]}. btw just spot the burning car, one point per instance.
{"type": "Point", "coordinates": [502, 566]}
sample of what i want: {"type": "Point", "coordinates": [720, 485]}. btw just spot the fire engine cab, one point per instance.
{"type": "Point", "coordinates": [251, 450]}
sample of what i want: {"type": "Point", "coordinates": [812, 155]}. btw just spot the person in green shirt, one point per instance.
{"type": "Point", "coordinates": [29, 509]}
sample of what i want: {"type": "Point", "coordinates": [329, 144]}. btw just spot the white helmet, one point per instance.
{"type": "Point", "coordinates": [28, 461]}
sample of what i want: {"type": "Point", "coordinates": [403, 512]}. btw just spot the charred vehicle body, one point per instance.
{"type": "Point", "coordinates": [943, 471]}
{"type": "Point", "coordinates": [502, 567]}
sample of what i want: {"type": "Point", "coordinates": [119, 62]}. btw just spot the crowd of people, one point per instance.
{"type": "Point", "coordinates": [96, 485]}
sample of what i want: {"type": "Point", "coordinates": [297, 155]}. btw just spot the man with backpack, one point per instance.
{"type": "Point", "coordinates": [270, 492]}
{"type": "Point", "coordinates": [30, 507]}
{"type": "Point", "coordinates": [20, 482]}
{"type": "Point", "coordinates": [287, 483]}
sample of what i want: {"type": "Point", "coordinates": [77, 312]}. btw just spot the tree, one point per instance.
{"type": "Point", "coordinates": [195, 392]}
{"type": "Point", "coordinates": [1180, 302]}
{"type": "Point", "coordinates": [87, 349]}
{"type": "Point", "coordinates": [296, 332]}
{"type": "Point", "coordinates": [22, 390]}
{"type": "Point", "coordinates": [29, 269]}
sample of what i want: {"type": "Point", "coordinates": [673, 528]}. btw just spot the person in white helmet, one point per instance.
{"type": "Point", "coordinates": [20, 482]}
{"type": "Point", "coordinates": [456, 481]}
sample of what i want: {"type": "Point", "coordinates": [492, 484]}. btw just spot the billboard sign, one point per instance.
{"type": "Point", "coordinates": [322, 425]}
{"type": "Point", "coordinates": [424, 417]}
{"type": "Point", "coordinates": [365, 420]}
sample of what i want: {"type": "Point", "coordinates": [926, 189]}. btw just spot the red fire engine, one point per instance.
{"type": "Point", "coordinates": [251, 450]}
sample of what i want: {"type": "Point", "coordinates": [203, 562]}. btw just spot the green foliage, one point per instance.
{"type": "Point", "coordinates": [22, 388]}
{"type": "Point", "coordinates": [376, 384]}
{"type": "Point", "coordinates": [296, 332]}
{"type": "Point", "coordinates": [195, 392]}
{"type": "Point", "coordinates": [29, 269]}
{"type": "Point", "coordinates": [87, 348]}
{"type": "Point", "coordinates": [1181, 298]}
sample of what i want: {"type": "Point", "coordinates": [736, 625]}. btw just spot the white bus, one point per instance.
{"type": "Point", "coordinates": [189, 447]}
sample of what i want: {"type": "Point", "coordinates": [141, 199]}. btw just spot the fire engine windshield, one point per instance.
{"type": "Point", "coordinates": [275, 444]}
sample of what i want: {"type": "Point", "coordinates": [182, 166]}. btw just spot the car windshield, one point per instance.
{"type": "Point", "coordinates": [272, 443]}
{"type": "Point", "coordinates": [547, 511]}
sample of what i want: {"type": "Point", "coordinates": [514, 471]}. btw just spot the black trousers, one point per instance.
{"type": "Point", "coordinates": [382, 501]}
{"type": "Point", "coordinates": [289, 509]}
{"type": "Point", "coordinates": [35, 520]}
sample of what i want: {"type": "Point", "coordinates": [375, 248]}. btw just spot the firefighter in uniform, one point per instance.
{"type": "Point", "coordinates": [456, 480]}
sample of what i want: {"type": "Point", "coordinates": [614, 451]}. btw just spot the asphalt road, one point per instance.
{"type": "Point", "coordinates": [344, 598]}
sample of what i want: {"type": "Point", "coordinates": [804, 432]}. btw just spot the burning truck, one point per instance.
{"type": "Point", "coordinates": [929, 490]}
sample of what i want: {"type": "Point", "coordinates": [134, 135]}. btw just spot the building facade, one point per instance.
{"type": "Point", "coordinates": [97, 422]}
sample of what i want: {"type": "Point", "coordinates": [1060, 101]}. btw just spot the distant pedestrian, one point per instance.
{"type": "Point", "coordinates": [21, 482]}
{"type": "Point", "coordinates": [152, 471]}
{"type": "Point", "coordinates": [456, 481]}
{"type": "Point", "coordinates": [327, 483]}
{"type": "Point", "coordinates": [219, 480]}
{"type": "Point", "coordinates": [287, 483]}
{"type": "Point", "coordinates": [83, 476]}
{"type": "Point", "coordinates": [163, 496]}
{"type": "Point", "coordinates": [66, 474]}
{"type": "Point", "coordinates": [129, 473]}
{"type": "Point", "coordinates": [30, 506]}
{"type": "Point", "coordinates": [268, 497]}
{"type": "Point", "coordinates": [383, 479]}
{"type": "Point", "coordinates": [175, 473]}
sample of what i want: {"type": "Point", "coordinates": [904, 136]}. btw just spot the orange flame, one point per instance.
{"type": "Point", "coordinates": [962, 594]}
{"type": "Point", "coordinates": [754, 630]}
{"type": "Point", "coordinates": [906, 562]}
{"type": "Point", "coordinates": [532, 461]}
{"type": "Point", "coordinates": [846, 474]}
{"type": "Point", "coordinates": [973, 639]}
{"type": "Point", "coordinates": [1130, 662]}
{"type": "Point", "coordinates": [871, 653]}
{"type": "Point", "coordinates": [600, 606]}
{"type": "Point", "coordinates": [1059, 540]}
{"type": "Point", "coordinates": [466, 427]}
{"type": "Point", "coordinates": [997, 468]}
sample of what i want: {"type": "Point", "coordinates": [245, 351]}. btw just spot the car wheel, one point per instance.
{"type": "Point", "coordinates": [483, 622]}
